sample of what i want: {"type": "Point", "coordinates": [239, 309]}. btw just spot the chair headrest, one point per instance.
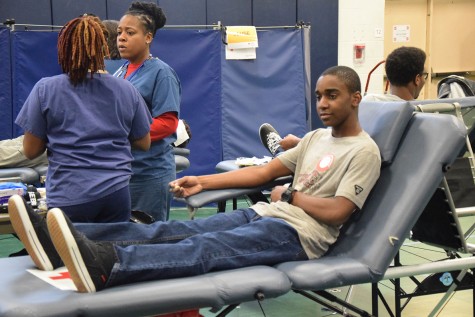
{"type": "Point", "coordinates": [385, 122]}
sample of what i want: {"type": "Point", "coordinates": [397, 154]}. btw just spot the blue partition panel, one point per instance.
{"type": "Point", "coordinates": [195, 55]}
{"type": "Point", "coordinates": [224, 101]}
{"type": "Point", "coordinates": [5, 85]}
{"type": "Point", "coordinates": [268, 89]}
{"type": "Point", "coordinates": [34, 56]}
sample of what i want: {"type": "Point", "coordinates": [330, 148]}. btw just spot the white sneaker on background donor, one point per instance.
{"type": "Point", "coordinates": [270, 138]}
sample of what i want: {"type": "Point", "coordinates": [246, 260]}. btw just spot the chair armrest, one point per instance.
{"type": "Point", "coordinates": [210, 196]}
{"type": "Point", "coordinates": [181, 151]}
{"type": "Point", "coordinates": [181, 163]}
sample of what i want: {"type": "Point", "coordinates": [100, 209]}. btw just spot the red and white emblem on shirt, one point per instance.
{"type": "Point", "coordinates": [325, 163]}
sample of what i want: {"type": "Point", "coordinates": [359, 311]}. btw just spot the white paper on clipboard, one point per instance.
{"type": "Point", "coordinates": [242, 42]}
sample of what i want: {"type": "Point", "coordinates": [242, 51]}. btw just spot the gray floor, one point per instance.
{"type": "Point", "coordinates": [293, 304]}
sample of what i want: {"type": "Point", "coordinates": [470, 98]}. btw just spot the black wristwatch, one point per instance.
{"type": "Point", "coordinates": [288, 195]}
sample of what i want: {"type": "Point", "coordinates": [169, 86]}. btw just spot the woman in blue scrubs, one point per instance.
{"type": "Point", "coordinates": [160, 87]}
{"type": "Point", "coordinates": [87, 120]}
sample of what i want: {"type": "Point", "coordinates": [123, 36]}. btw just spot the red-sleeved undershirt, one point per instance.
{"type": "Point", "coordinates": [163, 125]}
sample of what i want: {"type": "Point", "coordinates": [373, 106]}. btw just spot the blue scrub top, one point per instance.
{"type": "Point", "coordinates": [160, 87]}
{"type": "Point", "coordinates": [87, 130]}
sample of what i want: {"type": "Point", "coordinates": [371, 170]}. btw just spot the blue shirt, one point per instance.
{"type": "Point", "coordinates": [112, 65]}
{"type": "Point", "coordinates": [87, 130]}
{"type": "Point", "coordinates": [160, 87]}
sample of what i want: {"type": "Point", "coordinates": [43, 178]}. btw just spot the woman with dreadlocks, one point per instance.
{"type": "Point", "coordinates": [159, 85]}
{"type": "Point", "coordinates": [87, 121]}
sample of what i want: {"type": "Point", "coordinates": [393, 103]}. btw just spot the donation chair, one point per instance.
{"type": "Point", "coordinates": [440, 223]}
{"type": "Point", "coordinates": [466, 112]}
{"type": "Point", "coordinates": [37, 175]}
{"type": "Point", "coordinates": [24, 175]}
{"type": "Point", "coordinates": [362, 254]}
{"type": "Point", "coordinates": [42, 170]}
{"type": "Point", "coordinates": [371, 239]}
{"type": "Point", "coordinates": [181, 159]}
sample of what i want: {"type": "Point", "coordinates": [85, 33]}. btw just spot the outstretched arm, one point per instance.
{"type": "Point", "coordinates": [245, 177]}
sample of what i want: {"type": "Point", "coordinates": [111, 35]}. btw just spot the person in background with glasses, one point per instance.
{"type": "Point", "coordinates": [406, 73]}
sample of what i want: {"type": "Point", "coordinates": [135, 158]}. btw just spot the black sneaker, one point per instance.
{"type": "Point", "coordinates": [89, 263]}
{"type": "Point", "coordinates": [270, 138]}
{"type": "Point", "coordinates": [32, 230]}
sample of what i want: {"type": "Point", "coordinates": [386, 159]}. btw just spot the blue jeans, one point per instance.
{"type": "Point", "coordinates": [187, 248]}
{"type": "Point", "coordinates": [114, 207]}
{"type": "Point", "coordinates": [152, 195]}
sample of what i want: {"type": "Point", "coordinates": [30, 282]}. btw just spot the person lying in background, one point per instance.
{"type": "Point", "coordinates": [11, 155]}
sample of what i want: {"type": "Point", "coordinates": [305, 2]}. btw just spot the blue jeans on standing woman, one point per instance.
{"type": "Point", "coordinates": [152, 196]}
{"type": "Point", "coordinates": [174, 249]}
{"type": "Point", "coordinates": [114, 207]}
{"type": "Point", "coordinates": [149, 185]}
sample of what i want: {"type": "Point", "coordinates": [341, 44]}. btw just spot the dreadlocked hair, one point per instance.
{"type": "Point", "coordinates": [82, 46]}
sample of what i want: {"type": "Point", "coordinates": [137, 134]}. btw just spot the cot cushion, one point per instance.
{"type": "Point", "coordinates": [25, 174]}
{"type": "Point", "coordinates": [24, 295]}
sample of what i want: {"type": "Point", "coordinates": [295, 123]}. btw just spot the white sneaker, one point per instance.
{"type": "Point", "coordinates": [270, 138]}
{"type": "Point", "coordinates": [32, 230]}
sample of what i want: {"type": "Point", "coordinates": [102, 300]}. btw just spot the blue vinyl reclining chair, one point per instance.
{"type": "Point", "coordinates": [416, 149]}
{"type": "Point", "coordinates": [24, 175]}
{"type": "Point", "coordinates": [36, 175]}
{"type": "Point", "coordinates": [181, 159]}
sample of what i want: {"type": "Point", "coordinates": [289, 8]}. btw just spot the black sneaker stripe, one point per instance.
{"type": "Point", "coordinates": [39, 248]}
{"type": "Point", "coordinates": [80, 270]}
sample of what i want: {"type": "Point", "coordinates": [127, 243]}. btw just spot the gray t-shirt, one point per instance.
{"type": "Point", "coordinates": [325, 166]}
